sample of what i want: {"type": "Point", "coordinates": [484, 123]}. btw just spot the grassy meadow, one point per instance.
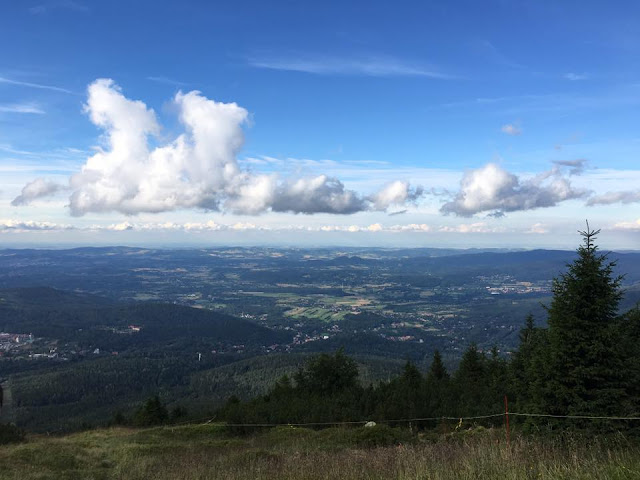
{"type": "Point", "coordinates": [210, 452]}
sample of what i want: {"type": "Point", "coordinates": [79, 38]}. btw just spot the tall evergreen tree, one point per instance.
{"type": "Point", "coordinates": [437, 385]}
{"type": "Point", "coordinates": [530, 368]}
{"type": "Point", "coordinates": [497, 379]}
{"type": "Point", "coordinates": [153, 412]}
{"type": "Point", "coordinates": [586, 356]}
{"type": "Point", "coordinates": [411, 390]}
{"type": "Point", "coordinates": [328, 374]}
{"type": "Point", "coordinates": [437, 371]}
{"type": "Point", "coordinates": [470, 382]}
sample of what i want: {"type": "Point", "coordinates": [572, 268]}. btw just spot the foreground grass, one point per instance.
{"type": "Point", "coordinates": [207, 452]}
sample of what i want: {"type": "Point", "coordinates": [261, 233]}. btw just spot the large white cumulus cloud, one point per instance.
{"type": "Point", "coordinates": [198, 169]}
{"type": "Point", "coordinates": [493, 189]}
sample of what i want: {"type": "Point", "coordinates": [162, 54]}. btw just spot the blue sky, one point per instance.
{"type": "Point", "coordinates": [497, 123]}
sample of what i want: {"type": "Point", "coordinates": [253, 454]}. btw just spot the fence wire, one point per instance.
{"type": "Point", "coordinates": [423, 419]}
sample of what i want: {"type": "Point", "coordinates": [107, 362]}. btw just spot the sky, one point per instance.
{"type": "Point", "coordinates": [500, 123]}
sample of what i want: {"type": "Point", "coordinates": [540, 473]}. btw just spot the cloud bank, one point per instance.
{"type": "Point", "coordinates": [19, 226]}
{"type": "Point", "coordinates": [12, 226]}
{"type": "Point", "coordinates": [493, 189]}
{"type": "Point", "coordinates": [199, 169]}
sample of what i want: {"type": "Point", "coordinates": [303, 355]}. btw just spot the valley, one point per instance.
{"type": "Point", "coordinates": [99, 329]}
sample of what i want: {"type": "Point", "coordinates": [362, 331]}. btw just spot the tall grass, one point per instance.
{"type": "Point", "coordinates": [207, 452]}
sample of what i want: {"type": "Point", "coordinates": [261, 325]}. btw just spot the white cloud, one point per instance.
{"type": "Point", "coordinates": [210, 226]}
{"type": "Point", "coordinates": [395, 193]}
{"type": "Point", "coordinates": [575, 76]}
{"type": "Point", "coordinates": [21, 108]}
{"type": "Point", "coordinates": [576, 166]}
{"type": "Point", "coordinates": [478, 227]}
{"type": "Point", "coordinates": [538, 228]}
{"type": "Point", "coordinates": [19, 226]}
{"type": "Point", "coordinates": [66, 153]}
{"type": "Point", "coordinates": [374, 66]}
{"type": "Point", "coordinates": [346, 228]}
{"type": "Point", "coordinates": [199, 169]}
{"type": "Point", "coordinates": [493, 189]}
{"type": "Point", "coordinates": [373, 228]}
{"type": "Point", "coordinates": [411, 227]}
{"type": "Point", "coordinates": [216, 230]}
{"type": "Point", "coordinates": [628, 196]}
{"type": "Point", "coordinates": [511, 129]}
{"type": "Point", "coordinates": [319, 194]}
{"type": "Point", "coordinates": [38, 188]}
{"type": "Point", "coordinates": [34, 85]}
{"type": "Point", "coordinates": [120, 227]}
{"type": "Point", "coordinates": [244, 226]}
{"type": "Point", "coordinates": [628, 225]}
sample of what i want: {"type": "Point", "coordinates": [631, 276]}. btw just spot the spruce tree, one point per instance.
{"type": "Point", "coordinates": [470, 382]}
{"type": "Point", "coordinates": [410, 390]}
{"type": "Point", "coordinates": [530, 369]}
{"type": "Point", "coordinates": [153, 412]}
{"type": "Point", "coordinates": [586, 357]}
{"type": "Point", "coordinates": [437, 371]}
{"type": "Point", "coordinates": [437, 386]}
{"type": "Point", "coordinates": [328, 374]}
{"type": "Point", "coordinates": [497, 379]}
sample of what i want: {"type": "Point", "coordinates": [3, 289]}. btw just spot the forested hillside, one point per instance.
{"type": "Point", "coordinates": [92, 322]}
{"type": "Point", "coordinates": [92, 392]}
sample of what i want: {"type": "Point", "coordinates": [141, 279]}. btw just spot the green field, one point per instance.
{"type": "Point", "coordinates": [317, 313]}
{"type": "Point", "coordinates": [209, 452]}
